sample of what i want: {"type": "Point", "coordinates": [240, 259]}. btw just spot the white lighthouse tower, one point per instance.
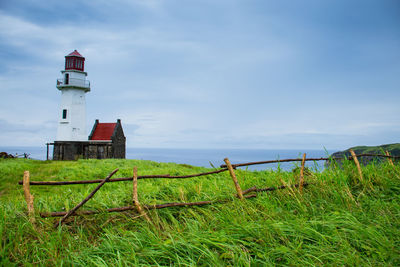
{"type": "Point", "coordinates": [73, 87]}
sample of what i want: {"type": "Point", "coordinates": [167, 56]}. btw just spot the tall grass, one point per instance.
{"type": "Point", "coordinates": [338, 220]}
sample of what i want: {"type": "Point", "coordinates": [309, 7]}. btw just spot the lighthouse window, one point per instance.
{"type": "Point", "coordinates": [64, 114]}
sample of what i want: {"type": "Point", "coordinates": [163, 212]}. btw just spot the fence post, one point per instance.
{"type": "Point", "coordinates": [357, 163]}
{"type": "Point", "coordinates": [235, 181]}
{"type": "Point", "coordinates": [135, 196]}
{"type": "Point", "coordinates": [47, 155]}
{"type": "Point", "coordinates": [389, 159]}
{"type": "Point", "coordinates": [28, 197]}
{"type": "Point", "coordinates": [301, 182]}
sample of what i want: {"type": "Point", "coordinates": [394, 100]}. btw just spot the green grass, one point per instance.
{"type": "Point", "coordinates": [338, 220]}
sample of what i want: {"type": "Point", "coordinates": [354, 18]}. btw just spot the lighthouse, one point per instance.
{"type": "Point", "coordinates": [106, 140]}
{"type": "Point", "coordinates": [73, 86]}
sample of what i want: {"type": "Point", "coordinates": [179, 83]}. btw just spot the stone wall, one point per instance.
{"type": "Point", "coordinates": [73, 150]}
{"type": "Point", "coordinates": [118, 142]}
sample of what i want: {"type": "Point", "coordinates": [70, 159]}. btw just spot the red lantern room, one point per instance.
{"type": "Point", "coordinates": [74, 61]}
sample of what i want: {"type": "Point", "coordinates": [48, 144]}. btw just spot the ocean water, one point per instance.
{"type": "Point", "coordinates": [202, 157]}
{"type": "Point", "coordinates": [215, 157]}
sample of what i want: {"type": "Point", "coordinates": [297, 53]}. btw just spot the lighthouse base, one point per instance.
{"type": "Point", "coordinates": [74, 150]}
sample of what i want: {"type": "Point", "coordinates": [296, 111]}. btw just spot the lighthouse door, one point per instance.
{"type": "Point", "coordinates": [66, 81]}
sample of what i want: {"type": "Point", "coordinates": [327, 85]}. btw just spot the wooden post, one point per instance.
{"type": "Point", "coordinates": [135, 196]}
{"type": "Point", "coordinates": [71, 212]}
{"type": "Point", "coordinates": [47, 156]}
{"type": "Point", "coordinates": [389, 159]}
{"type": "Point", "coordinates": [28, 197]}
{"type": "Point", "coordinates": [357, 163]}
{"type": "Point", "coordinates": [301, 182]}
{"type": "Point", "coordinates": [235, 181]}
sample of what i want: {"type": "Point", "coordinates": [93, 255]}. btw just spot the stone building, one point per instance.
{"type": "Point", "coordinates": [106, 141]}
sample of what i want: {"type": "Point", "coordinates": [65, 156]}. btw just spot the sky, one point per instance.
{"type": "Point", "coordinates": [251, 74]}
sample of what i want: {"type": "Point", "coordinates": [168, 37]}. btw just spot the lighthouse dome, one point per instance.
{"type": "Point", "coordinates": [74, 61]}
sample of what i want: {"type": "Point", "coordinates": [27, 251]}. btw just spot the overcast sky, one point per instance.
{"type": "Point", "coordinates": [207, 73]}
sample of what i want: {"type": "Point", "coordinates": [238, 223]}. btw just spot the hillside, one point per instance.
{"type": "Point", "coordinates": [393, 149]}
{"type": "Point", "coordinates": [337, 220]}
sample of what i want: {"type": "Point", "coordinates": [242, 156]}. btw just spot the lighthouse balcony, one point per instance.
{"type": "Point", "coordinates": [73, 82]}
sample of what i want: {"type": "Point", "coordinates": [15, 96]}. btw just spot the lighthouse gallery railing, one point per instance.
{"type": "Point", "coordinates": [73, 82]}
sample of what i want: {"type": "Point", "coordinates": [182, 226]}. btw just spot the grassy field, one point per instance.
{"type": "Point", "coordinates": [338, 220]}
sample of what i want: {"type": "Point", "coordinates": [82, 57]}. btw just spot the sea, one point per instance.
{"type": "Point", "coordinates": [202, 157]}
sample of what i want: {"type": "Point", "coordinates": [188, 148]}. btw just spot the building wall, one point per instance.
{"type": "Point", "coordinates": [69, 150]}
{"type": "Point", "coordinates": [76, 77]}
{"type": "Point", "coordinates": [119, 142]}
{"type": "Point", "coordinates": [73, 128]}
{"type": "Point", "coordinates": [98, 151]}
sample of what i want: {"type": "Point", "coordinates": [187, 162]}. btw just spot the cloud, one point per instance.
{"type": "Point", "coordinates": [26, 134]}
{"type": "Point", "coordinates": [207, 74]}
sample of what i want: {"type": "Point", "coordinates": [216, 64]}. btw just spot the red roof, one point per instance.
{"type": "Point", "coordinates": [74, 53]}
{"type": "Point", "coordinates": [103, 131]}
